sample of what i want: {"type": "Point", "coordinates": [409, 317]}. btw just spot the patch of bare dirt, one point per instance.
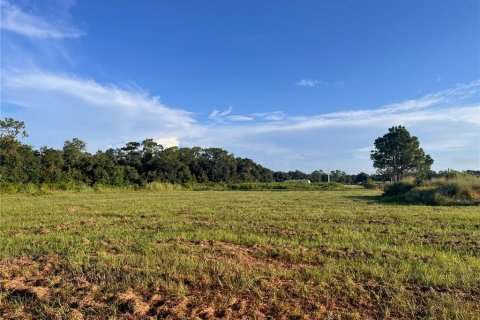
{"type": "Point", "coordinates": [19, 281]}
{"type": "Point", "coordinates": [42, 281]}
{"type": "Point", "coordinates": [261, 256]}
{"type": "Point", "coordinates": [130, 302]}
{"type": "Point", "coordinates": [48, 229]}
{"type": "Point", "coordinates": [42, 286]}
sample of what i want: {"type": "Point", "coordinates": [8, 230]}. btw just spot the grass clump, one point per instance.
{"type": "Point", "coordinates": [162, 186]}
{"type": "Point", "coordinates": [461, 189]}
{"type": "Point", "coordinates": [370, 184]}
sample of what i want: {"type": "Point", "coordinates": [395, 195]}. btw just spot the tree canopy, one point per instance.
{"type": "Point", "coordinates": [398, 154]}
{"type": "Point", "coordinates": [12, 128]}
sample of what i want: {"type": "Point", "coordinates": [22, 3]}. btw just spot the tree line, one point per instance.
{"type": "Point", "coordinates": [137, 163]}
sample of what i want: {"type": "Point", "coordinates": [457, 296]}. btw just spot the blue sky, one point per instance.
{"type": "Point", "coordinates": [291, 84]}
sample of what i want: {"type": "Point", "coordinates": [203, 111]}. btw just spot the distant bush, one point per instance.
{"type": "Point", "coordinates": [35, 189]}
{"type": "Point", "coordinates": [100, 187]}
{"type": "Point", "coordinates": [460, 189]}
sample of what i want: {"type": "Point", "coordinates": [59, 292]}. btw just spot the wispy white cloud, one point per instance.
{"type": "Point", "coordinates": [105, 112]}
{"type": "Point", "coordinates": [269, 116]}
{"type": "Point", "coordinates": [93, 93]}
{"type": "Point", "coordinates": [449, 105]}
{"type": "Point", "coordinates": [320, 83]}
{"type": "Point", "coordinates": [217, 114]}
{"type": "Point", "coordinates": [460, 141]}
{"type": "Point", "coordinates": [307, 83]}
{"type": "Point", "coordinates": [226, 116]}
{"type": "Point", "coordinates": [14, 19]}
{"type": "Point", "coordinates": [240, 118]}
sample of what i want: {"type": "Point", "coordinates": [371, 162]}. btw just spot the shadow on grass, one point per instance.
{"type": "Point", "coordinates": [394, 200]}
{"type": "Point", "coordinates": [364, 198]}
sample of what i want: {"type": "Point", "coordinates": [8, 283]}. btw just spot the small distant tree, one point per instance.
{"type": "Point", "coordinates": [361, 177]}
{"type": "Point", "coordinates": [398, 154]}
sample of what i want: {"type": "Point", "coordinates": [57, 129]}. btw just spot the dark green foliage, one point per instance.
{"type": "Point", "coordinates": [137, 163]}
{"type": "Point", "coordinates": [134, 164]}
{"type": "Point", "coordinates": [420, 195]}
{"type": "Point", "coordinates": [317, 176]}
{"type": "Point", "coordinates": [362, 177]}
{"type": "Point", "coordinates": [12, 128]}
{"type": "Point", "coordinates": [398, 154]}
{"type": "Point", "coordinates": [398, 188]}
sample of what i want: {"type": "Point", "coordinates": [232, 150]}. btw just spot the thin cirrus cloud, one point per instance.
{"type": "Point", "coordinates": [14, 19]}
{"type": "Point", "coordinates": [225, 116]}
{"type": "Point", "coordinates": [320, 83]}
{"type": "Point", "coordinates": [456, 104]}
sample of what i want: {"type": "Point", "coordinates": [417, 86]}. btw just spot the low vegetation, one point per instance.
{"type": "Point", "coordinates": [49, 188]}
{"type": "Point", "coordinates": [183, 254]}
{"type": "Point", "coordinates": [458, 189]}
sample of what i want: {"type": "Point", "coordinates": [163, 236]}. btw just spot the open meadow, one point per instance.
{"type": "Point", "coordinates": [236, 254]}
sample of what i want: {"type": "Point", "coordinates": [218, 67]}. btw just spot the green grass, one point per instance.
{"type": "Point", "coordinates": [258, 254]}
{"type": "Point", "coordinates": [461, 189]}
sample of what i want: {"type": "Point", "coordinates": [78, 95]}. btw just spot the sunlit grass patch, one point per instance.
{"type": "Point", "coordinates": [219, 254]}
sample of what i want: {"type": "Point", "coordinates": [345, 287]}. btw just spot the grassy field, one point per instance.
{"type": "Point", "coordinates": [236, 254]}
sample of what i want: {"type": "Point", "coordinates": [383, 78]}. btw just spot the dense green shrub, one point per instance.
{"type": "Point", "coordinates": [424, 195]}
{"type": "Point", "coordinates": [398, 188]}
